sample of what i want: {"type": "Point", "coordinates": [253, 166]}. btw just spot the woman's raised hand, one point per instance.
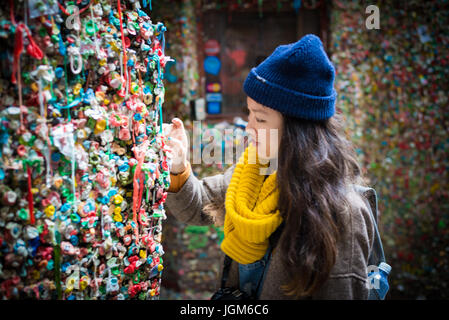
{"type": "Point", "coordinates": [178, 144]}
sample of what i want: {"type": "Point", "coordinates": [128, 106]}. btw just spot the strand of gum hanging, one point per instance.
{"type": "Point", "coordinates": [139, 154]}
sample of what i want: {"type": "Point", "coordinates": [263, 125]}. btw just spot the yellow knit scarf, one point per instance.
{"type": "Point", "coordinates": [251, 210]}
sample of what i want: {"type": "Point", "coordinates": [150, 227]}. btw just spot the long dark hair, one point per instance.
{"type": "Point", "coordinates": [316, 164]}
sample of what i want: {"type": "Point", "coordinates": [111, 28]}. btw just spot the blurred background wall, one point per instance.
{"type": "Point", "coordinates": [392, 89]}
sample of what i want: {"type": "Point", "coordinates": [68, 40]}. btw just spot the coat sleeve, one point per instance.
{"type": "Point", "coordinates": [188, 203]}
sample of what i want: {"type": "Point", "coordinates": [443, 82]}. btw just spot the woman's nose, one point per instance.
{"type": "Point", "coordinates": [250, 131]}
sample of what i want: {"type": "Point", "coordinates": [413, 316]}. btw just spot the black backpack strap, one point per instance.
{"type": "Point", "coordinates": [276, 235]}
{"type": "Point", "coordinates": [273, 240]}
{"type": "Point", "coordinates": [226, 267]}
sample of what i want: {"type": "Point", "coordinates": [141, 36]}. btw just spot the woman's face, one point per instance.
{"type": "Point", "coordinates": [265, 128]}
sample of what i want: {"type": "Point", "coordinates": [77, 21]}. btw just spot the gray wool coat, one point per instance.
{"type": "Point", "coordinates": [348, 276]}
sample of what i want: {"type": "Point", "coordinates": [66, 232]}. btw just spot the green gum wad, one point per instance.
{"type": "Point", "coordinates": [23, 214]}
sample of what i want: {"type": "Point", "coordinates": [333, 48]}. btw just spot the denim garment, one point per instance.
{"type": "Point", "coordinates": [251, 274]}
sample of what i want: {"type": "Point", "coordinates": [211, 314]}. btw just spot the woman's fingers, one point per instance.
{"type": "Point", "coordinates": [178, 132]}
{"type": "Point", "coordinates": [177, 138]}
{"type": "Point", "coordinates": [167, 129]}
{"type": "Point", "coordinates": [169, 149]}
{"type": "Point", "coordinates": [178, 124]}
{"type": "Point", "coordinates": [175, 143]}
{"type": "Point", "coordinates": [178, 152]}
{"type": "Point", "coordinates": [172, 133]}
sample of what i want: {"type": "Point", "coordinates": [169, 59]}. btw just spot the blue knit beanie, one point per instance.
{"type": "Point", "coordinates": [296, 79]}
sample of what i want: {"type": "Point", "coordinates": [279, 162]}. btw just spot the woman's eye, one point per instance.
{"type": "Point", "coordinates": [259, 120]}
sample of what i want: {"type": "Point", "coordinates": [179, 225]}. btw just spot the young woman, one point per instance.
{"type": "Point", "coordinates": [327, 230]}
